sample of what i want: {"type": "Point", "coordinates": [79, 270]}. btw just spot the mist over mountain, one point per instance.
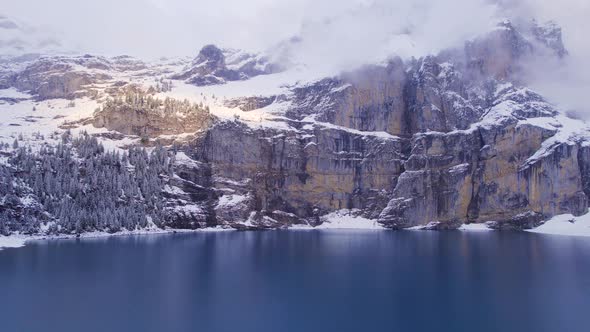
{"type": "Point", "coordinates": [137, 25]}
{"type": "Point", "coordinates": [330, 36]}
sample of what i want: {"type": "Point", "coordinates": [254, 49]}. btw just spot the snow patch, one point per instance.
{"type": "Point", "coordinates": [311, 123]}
{"type": "Point", "coordinates": [227, 201]}
{"type": "Point", "coordinates": [19, 240]}
{"type": "Point", "coordinates": [12, 242]}
{"type": "Point", "coordinates": [475, 228]}
{"type": "Point", "coordinates": [182, 159]}
{"type": "Point", "coordinates": [569, 131]}
{"type": "Point", "coordinates": [565, 224]}
{"type": "Point", "coordinates": [458, 169]}
{"type": "Point", "coordinates": [14, 93]}
{"type": "Point", "coordinates": [348, 219]}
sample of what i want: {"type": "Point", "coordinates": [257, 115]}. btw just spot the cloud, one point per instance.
{"type": "Point", "coordinates": [564, 82]}
{"type": "Point", "coordinates": [333, 34]}
{"type": "Point", "coordinates": [175, 27]}
{"type": "Point", "coordinates": [150, 28]}
{"type": "Point", "coordinates": [370, 31]}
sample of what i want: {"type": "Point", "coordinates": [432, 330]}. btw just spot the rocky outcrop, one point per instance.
{"type": "Point", "coordinates": [141, 115]}
{"type": "Point", "coordinates": [145, 123]}
{"type": "Point", "coordinates": [248, 104]}
{"type": "Point", "coordinates": [126, 63]}
{"type": "Point", "coordinates": [215, 66]}
{"type": "Point", "coordinates": [60, 77]}
{"type": "Point", "coordinates": [549, 35]}
{"type": "Point", "coordinates": [190, 197]}
{"type": "Point", "coordinates": [68, 77]}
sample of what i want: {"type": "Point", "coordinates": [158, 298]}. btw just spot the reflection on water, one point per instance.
{"type": "Point", "coordinates": [299, 281]}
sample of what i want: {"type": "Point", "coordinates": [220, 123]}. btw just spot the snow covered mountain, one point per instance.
{"type": "Point", "coordinates": [215, 66]}
{"type": "Point", "coordinates": [436, 142]}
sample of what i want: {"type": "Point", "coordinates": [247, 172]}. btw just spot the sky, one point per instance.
{"type": "Point", "coordinates": [181, 27]}
{"type": "Point", "coordinates": [333, 33]}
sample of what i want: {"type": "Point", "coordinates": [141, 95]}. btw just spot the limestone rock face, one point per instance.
{"type": "Point", "coordinates": [484, 176]}
{"type": "Point", "coordinates": [140, 122]}
{"type": "Point", "coordinates": [303, 174]}
{"type": "Point", "coordinates": [401, 98]}
{"type": "Point", "coordinates": [437, 184]}
{"type": "Point", "coordinates": [189, 197]}
{"type": "Point", "coordinates": [430, 142]}
{"type": "Point", "coordinates": [142, 115]}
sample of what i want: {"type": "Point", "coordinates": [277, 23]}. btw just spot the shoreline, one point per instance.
{"type": "Point", "coordinates": [562, 225]}
{"type": "Point", "coordinates": [19, 240]}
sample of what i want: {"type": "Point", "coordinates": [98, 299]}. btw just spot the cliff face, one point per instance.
{"type": "Point", "coordinates": [483, 176]}
{"type": "Point", "coordinates": [145, 122]}
{"type": "Point", "coordinates": [306, 173]}
{"type": "Point", "coordinates": [441, 179]}
{"type": "Point", "coordinates": [435, 142]}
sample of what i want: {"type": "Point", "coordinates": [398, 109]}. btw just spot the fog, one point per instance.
{"type": "Point", "coordinates": [567, 82]}
{"type": "Point", "coordinates": [331, 33]}
{"type": "Point", "coordinates": [180, 27]}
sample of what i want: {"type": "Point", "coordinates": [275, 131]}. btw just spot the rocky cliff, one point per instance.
{"type": "Point", "coordinates": [434, 142]}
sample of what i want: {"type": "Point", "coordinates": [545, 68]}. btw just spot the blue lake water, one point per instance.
{"type": "Point", "coordinates": [299, 281]}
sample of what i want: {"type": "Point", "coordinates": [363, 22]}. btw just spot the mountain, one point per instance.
{"type": "Point", "coordinates": [215, 66]}
{"type": "Point", "coordinates": [231, 139]}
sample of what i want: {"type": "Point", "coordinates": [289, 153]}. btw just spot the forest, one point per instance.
{"type": "Point", "coordinates": [77, 186]}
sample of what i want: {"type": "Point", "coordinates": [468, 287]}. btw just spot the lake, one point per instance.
{"type": "Point", "coordinates": [299, 281]}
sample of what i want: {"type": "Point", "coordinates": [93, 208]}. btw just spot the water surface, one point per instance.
{"type": "Point", "coordinates": [299, 281]}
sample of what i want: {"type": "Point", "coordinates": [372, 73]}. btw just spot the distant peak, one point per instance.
{"type": "Point", "coordinates": [210, 51]}
{"type": "Point", "coordinates": [505, 24]}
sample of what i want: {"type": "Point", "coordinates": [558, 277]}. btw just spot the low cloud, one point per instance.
{"type": "Point", "coordinates": [337, 28]}
{"type": "Point", "coordinates": [564, 82]}
{"type": "Point", "coordinates": [370, 31]}
{"type": "Point", "coordinates": [331, 34]}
